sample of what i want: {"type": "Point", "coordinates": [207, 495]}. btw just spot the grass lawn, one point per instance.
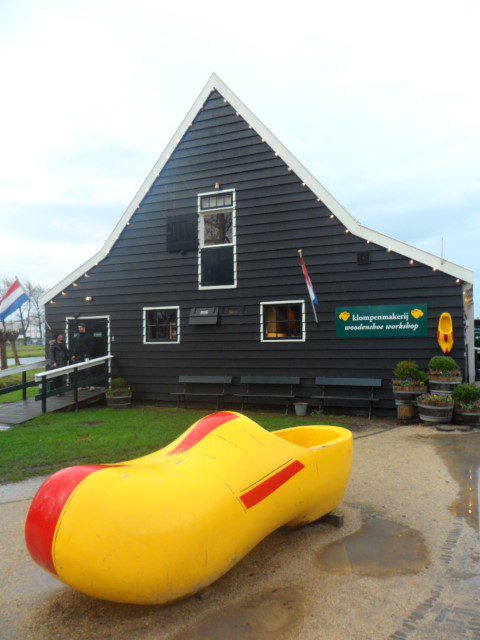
{"type": "Point", "coordinates": [57, 440]}
{"type": "Point", "coordinates": [28, 351]}
{"type": "Point", "coordinates": [10, 381]}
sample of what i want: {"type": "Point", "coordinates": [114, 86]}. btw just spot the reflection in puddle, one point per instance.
{"type": "Point", "coordinates": [379, 548]}
{"type": "Point", "coordinates": [274, 614]}
{"type": "Point", "coordinates": [461, 454]}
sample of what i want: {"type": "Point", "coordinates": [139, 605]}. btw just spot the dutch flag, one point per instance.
{"type": "Point", "coordinates": [308, 282]}
{"type": "Point", "coordinates": [12, 300]}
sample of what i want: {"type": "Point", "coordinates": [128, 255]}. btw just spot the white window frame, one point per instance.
{"type": "Point", "coordinates": [272, 302]}
{"type": "Point", "coordinates": [160, 308]}
{"type": "Point", "coordinates": [201, 245]}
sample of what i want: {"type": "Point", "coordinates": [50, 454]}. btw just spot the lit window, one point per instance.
{"type": "Point", "coordinates": [161, 325]}
{"type": "Point", "coordinates": [283, 321]}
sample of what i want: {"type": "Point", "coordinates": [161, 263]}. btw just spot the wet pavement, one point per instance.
{"type": "Point", "coordinates": [406, 565]}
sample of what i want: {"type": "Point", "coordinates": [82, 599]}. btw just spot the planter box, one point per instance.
{"type": "Point", "coordinates": [432, 414]}
{"type": "Point", "coordinates": [119, 402]}
{"type": "Point", "coordinates": [470, 418]}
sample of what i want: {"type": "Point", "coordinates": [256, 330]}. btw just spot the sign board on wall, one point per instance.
{"type": "Point", "coordinates": [386, 321]}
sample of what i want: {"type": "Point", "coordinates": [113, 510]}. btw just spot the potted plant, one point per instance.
{"type": "Point", "coordinates": [119, 395]}
{"type": "Point", "coordinates": [435, 408]}
{"type": "Point", "coordinates": [466, 399]}
{"type": "Point", "coordinates": [408, 382]}
{"type": "Point", "coordinates": [444, 375]}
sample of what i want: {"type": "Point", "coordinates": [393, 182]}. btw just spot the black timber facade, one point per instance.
{"type": "Point", "coordinates": [276, 214]}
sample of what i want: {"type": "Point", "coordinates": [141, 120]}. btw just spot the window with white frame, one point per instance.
{"type": "Point", "coordinates": [282, 321]}
{"type": "Point", "coordinates": [217, 246]}
{"type": "Point", "coordinates": [161, 325]}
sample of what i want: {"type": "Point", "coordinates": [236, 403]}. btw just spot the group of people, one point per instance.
{"type": "Point", "coordinates": [81, 351]}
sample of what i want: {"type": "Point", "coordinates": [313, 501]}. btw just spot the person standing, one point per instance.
{"type": "Point", "coordinates": [82, 352]}
{"type": "Point", "coordinates": [58, 358]}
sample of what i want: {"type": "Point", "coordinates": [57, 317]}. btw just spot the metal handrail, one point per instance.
{"type": "Point", "coordinates": [70, 368]}
{"type": "Point", "coordinates": [21, 368]}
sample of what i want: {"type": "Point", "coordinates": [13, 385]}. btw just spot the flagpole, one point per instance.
{"type": "Point", "coordinates": [311, 301]}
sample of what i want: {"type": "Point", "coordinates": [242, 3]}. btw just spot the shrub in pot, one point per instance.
{"type": "Point", "coordinates": [119, 395]}
{"type": "Point", "coordinates": [435, 408]}
{"type": "Point", "coordinates": [408, 382]}
{"type": "Point", "coordinates": [444, 375]}
{"type": "Point", "coordinates": [466, 399]}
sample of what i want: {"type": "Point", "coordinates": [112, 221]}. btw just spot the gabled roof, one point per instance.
{"type": "Point", "coordinates": [351, 223]}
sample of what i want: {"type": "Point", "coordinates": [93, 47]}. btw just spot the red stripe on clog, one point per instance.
{"type": "Point", "coordinates": [46, 508]}
{"type": "Point", "coordinates": [271, 484]}
{"type": "Point", "coordinates": [202, 429]}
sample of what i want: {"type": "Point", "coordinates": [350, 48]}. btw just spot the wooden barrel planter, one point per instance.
{"type": "Point", "coordinates": [119, 401]}
{"type": "Point", "coordinates": [406, 400]}
{"type": "Point", "coordinates": [467, 418]}
{"type": "Point", "coordinates": [443, 385]}
{"type": "Point", "coordinates": [435, 414]}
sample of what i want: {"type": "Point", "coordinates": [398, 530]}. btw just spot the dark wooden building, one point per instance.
{"type": "Point", "coordinates": [201, 275]}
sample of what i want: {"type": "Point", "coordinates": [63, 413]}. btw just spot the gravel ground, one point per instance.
{"type": "Point", "coordinates": [406, 564]}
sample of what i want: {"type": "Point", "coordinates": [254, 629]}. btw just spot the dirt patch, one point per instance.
{"type": "Point", "coordinates": [380, 547]}
{"type": "Point", "coordinates": [90, 423]}
{"type": "Point", "coordinates": [270, 615]}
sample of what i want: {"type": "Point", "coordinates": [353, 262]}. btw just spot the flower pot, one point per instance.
{"type": "Point", "coordinates": [301, 408]}
{"type": "Point", "coordinates": [119, 402]}
{"type": "Point", "coordinates": [435, 413]}
{"type": "Point", "coordinates": [407, 395]}
{"type": "Point", "coordinates": [443, 385]}
{"type": "Point", "coordinates": [467, 418]}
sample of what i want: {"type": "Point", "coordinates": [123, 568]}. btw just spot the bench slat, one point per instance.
{"type": "Point", "coordinates": [269, 380]}
{"type": "Point", "coordinates": [205, 379]}
{"type": "Point", "coordinates": [349, 382]}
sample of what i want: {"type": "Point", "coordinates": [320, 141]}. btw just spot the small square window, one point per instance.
{"type": "Point", "coordinates": [161, 325]}
{"type": "Point", "coordinates": [282, 321]}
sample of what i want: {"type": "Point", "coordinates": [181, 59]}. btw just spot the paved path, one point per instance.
{"type": "Point", "coordinates": [12, 413]}
{"type": "Point", "coordinates": [406, 565]}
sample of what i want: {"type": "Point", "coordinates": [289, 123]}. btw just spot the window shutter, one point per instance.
{"type": "Point", "coordinates": [182, 232]}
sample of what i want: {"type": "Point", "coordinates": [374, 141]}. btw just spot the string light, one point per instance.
{"type": "Point", "coordinates": [457, 280]}
{"type": "Point", "coordinates": [75, 284]}
{"type": "Point", "coordinates": [434, 268]}
{"type": "Point", "coordinates": [331, 216]}
{"type": "Point", "coordinates": [347, 231]}
{"type": "Point", "coordinates": [63, 293]}
{"type": "Point", "coordinates": [318, 199]}
{"type": "Point", "coordinates": [88, 298]}
{"type": "Point", "coordinates": [411, 261]}
{"type": "Point", "coordinates": [389, 251]}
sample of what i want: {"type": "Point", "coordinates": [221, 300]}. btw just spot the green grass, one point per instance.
{"type": "Point", "coordinates": [28, 351]}
{"type": "Point", "coordinates": [57, 440]}
{"type": "Point", "coordinates": [10, 381]}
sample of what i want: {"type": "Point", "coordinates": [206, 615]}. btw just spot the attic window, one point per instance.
{"type": "Point", "coordinates": [218, 201]}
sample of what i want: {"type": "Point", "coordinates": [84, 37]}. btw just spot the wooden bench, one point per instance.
{"type": "Point", "coordinates": [195, 386]}
{"type": "Point", "coordinates": [268, 387]}
{"type": "Point", "coordinates": [369, 384]}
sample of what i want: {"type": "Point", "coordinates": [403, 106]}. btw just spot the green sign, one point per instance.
{"type": "Point", "coordinates": [392, 321]}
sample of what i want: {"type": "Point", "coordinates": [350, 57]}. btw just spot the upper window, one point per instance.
{"type": "Point", "coordinates": [283, 321]}
{"type": "Point", "coordinates": [216, 201]}
{"type": "Point", "coordinates": [161, 325]}
{"type": "Point", "coordinates": [217, 246]}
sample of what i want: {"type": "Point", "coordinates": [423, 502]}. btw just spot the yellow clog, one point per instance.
{"type": "Point", "coordinates": [445, 333]}
{"type": "Point", "coordinates": [158, 528]}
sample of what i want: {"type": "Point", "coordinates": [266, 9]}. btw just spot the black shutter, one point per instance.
{"type": "Point", "coordinates": [217, 266]}
{"type": "Point", "coordinates": [182, 232]}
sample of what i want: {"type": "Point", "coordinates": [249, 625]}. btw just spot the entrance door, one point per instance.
{"type": "Point", "coordinates": [98, 327]}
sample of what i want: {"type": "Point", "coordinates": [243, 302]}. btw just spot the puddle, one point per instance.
{"type": "Point", "coordinates": [274, 614]}
{"type": "Point", "coordinates": [5, 427]}
{"type": "Point", "coordinates": [379, 548]}
{"type": "Point", "coordinates": [461, 455]}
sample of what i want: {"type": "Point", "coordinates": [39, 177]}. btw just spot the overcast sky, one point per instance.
{"type": "Point", "coordinates": [380, 100]}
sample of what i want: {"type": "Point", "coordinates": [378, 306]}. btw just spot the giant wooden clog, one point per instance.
{"type": "Point", "coordinates": [166, 525]}
{"type": "Point", "coordinates": [445, 333]}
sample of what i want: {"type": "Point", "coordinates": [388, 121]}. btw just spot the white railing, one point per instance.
{"type": "Point", "coordinates": [31, 366]}
{"type": "Point", "coordinates": [70, 368]}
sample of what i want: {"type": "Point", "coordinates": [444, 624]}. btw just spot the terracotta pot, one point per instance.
{"type": "Point", "coordinates": [435, 414]}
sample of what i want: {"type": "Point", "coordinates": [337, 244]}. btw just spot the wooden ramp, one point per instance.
{"type": "Point", "coordinates": [18, 412]}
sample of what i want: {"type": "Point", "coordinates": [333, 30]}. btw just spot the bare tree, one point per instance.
{"type": "Point", "coordinates": [31, 313]}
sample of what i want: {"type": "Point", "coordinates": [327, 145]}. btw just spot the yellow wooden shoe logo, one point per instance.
{"type": "Point", "coordinates": [417, 313]}
{"type": "Point", "coordinates": [344, 316]}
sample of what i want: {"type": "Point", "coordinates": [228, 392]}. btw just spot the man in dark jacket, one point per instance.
{"type": "Point", "coordinates": [58, 358]}
{"type": "Point", "coordinates": [83, 351]}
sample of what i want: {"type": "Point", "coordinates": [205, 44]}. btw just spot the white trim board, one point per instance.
{"type": "Point", "coordinates": [351, 223]}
